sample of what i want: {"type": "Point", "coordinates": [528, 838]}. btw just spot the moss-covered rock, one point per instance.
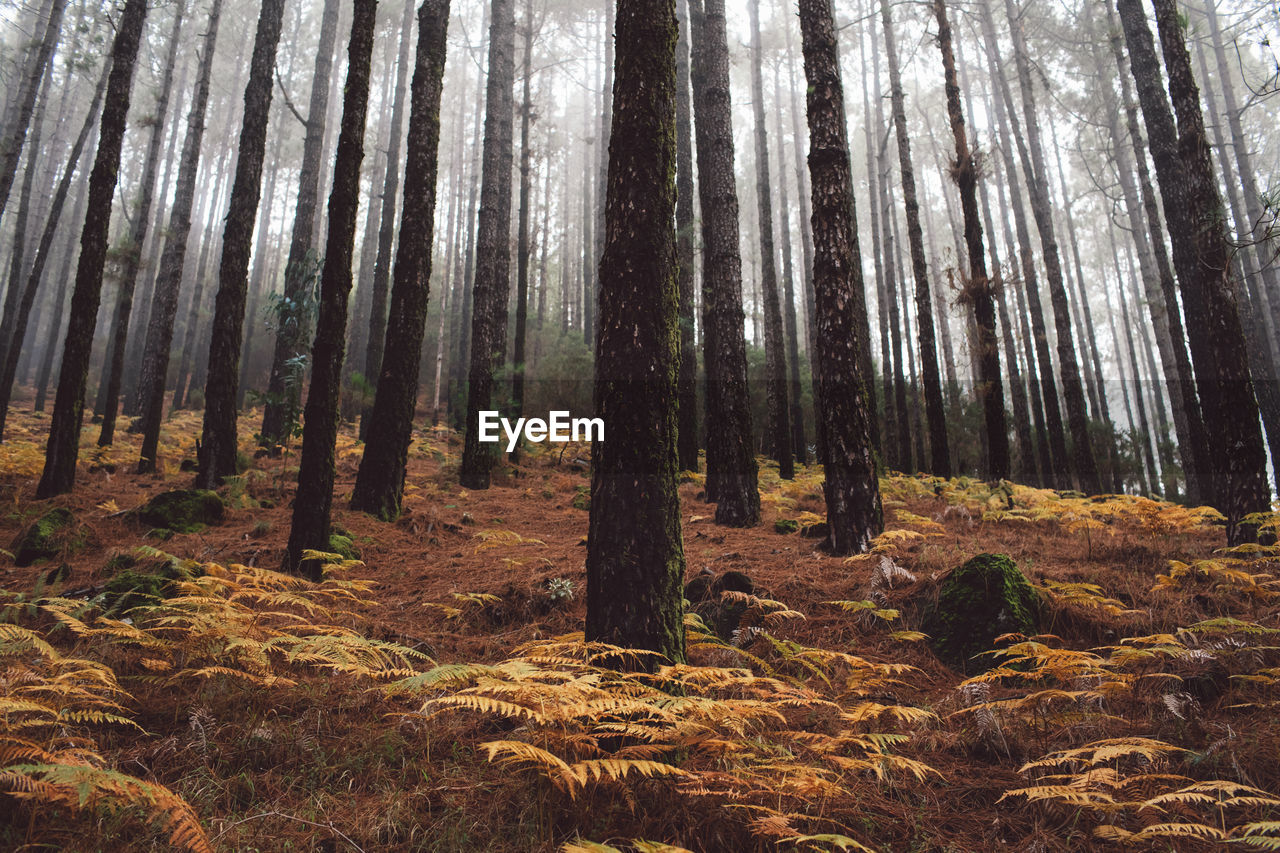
{"type": "Point", "coordinates": [52, 535]}
{"type": "Point", "coordinates": [183, 510]}
{"type": "Point", "coordinates": [786, 526]}
{"type": "Point", "coordinates": [982, 599]}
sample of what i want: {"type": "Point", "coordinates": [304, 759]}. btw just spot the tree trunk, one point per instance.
{"type": "Point", "coordinates": [522, 232]}
{"type": "Point", "coordinates": [22, 310]}
{"type": "Point", "coordinates": [217, 452]}
{"type": "Point", "coordinates": [635, 556]}
{"type": "Point", "coordinates": [977, 288]}
{"type": "Point", "coordinates": [291, 329]}
{"type": "Point", "coordinates": [68, 408]}
{"type": "Point", "coordinates": [29, 88]}
{"type": "Point", "coordinates": [380, 482]}
{"type": "Point", "coordinates": [798, 442]}
{"type": "Point", "coordinates": [687, 433]}
{"type": "Point", "coordinates": [852, 491]}
{"type": "Point", "coordinates": [731, 463]}
{"type": "Point", "coordinates": [1193, 210]}
{"type": "Point", "coordinates": [779, 427]}
{"type": "Point", "coordinates": [133, 249]}
{"type": "Point", "coordinates": [60, 301]}
{"type": "Point", "coordinates": [939, 448]}
{"type": "Point", "coordinates": [314, 497]}
{"type": "Point", "coordinates": [493, 246]}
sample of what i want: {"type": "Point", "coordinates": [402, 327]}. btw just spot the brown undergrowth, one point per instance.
{"type": "Point", "coordinates": [435, 695]}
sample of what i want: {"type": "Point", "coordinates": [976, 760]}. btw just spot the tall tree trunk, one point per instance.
{"type": "Point", "coordinates": [779, 427]}
{"type": "Point", "coordinates": [31, 285]}
{"type": "Point", "coordinates": [29, 87]}
{"type": "Point", "coordinates": [314, 497]}
{"type": "Point", "coordinates": [522, 227]}
{"type": "Point", "coordinates": [635, 556]}
{"type": "Point", "coordinates": [1193, 211]}
{"type": "Point", "coordinates": [380, 481]}
{"type": "Point", "coordinates": [1058, 471]}
{"type": "Point", "coordinates": [798, 443]}
{"type": "Point", "coordinates": [977, 288]}
{"type": "Point", "coordinates": [939, 448]}
{"type": "Point", "coordinates": [687, 414]}
{"type": "Point", "coordinates": [60, 300]}
{"type": "Point", "coordinates": [1153, 262]}
{"type": "Point", "coordinates": [493, 246]}
{"type": "Point", "coordinates": [852, 491]}
{"type": "Point", "coordinates": [387, 224]}
{"type": "Point", "coordinates": [1082, 461]}
{"type": "Point", "coordinates": [300, 269]}
{"type": "Point", "coordinates": [217, 456]}
{"type": "Point", "coordinates": [68, 408]}
{"type": "Point", "coordinates": [138, 235]}
{"type": "Point", "coordinates": [731, 463]}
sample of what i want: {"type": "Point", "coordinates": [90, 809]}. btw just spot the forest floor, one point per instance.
{"type": "Point", "coordinates": [817, 725]}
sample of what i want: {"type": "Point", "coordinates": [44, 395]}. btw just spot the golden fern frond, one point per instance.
{"type": "Point", "coordinates": [841, 842]}
{"type": "Point", "coordinates": [486, 705]}
{"type": "Point", "coordinates": [616, 769]}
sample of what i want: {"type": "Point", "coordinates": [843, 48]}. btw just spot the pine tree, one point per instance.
{"type": "Point", "coordinates": [68, 408]}
{"type": "Point", "coordinates": [314, 497]}
{"type": "Point", "coordinates": [635, 557]}
{"type": "Point", "coordinates": [380, 481]}
{"type": "Point", "coordinates": [852, 491]}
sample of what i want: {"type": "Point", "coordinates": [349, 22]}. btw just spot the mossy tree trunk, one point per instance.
{"type": "Point", "coordinates": [217, 456]}
{"type": "Point", "coordinates": [977, 289]}
{"type": "Point", "coordinates": [852, 491]}
{"type": "Point", "coordinates": [731, 462]}
{"type": "Point", "coordinates": [314, 497]}
{"type": "Point", "coordinates": [68, 408]}
{"type": "Point", "coordinates": [493, 247]}
{"type": "Point", "coordinates": [635, 556]}
{"type": "Point", "coordinates": [380, 481]}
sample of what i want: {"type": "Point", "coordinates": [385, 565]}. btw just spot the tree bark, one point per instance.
{"type": "Point", "coordinates": [16, 134]}
{"type": "Point", "coordinates": [687, 433]}
{"type": "Point", "coordinates": [300, 268]}
{"type": "Point", "coordinates": [779, 426]}
{"type": "Point", "coordinates": [314, 497]}
{"type": "Point", "coordinates": [1193, 210]}
{"type": "Point", "coordinates": [852, 491]}
{"type": "Point", "coordinates": [217, 453]}
{"type": "Point", "coordinates": [522, 226]}
{"type": "Point", "coordinates": [493, 247]}
{"type": "Point", "coordinates": [68, 409]}
{"type": "Point", "coordinates": [380, 481]}
{"type": "Point", "coordinates": [133, 250]}
{"type": "Point", "coordinates": [635, 556]}
{"type": "Point", "coordinates": [798, 442]}
{"type": "Point", "coordinates": [731, 463]}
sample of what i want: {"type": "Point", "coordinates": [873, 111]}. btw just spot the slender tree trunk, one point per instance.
{"type": "Point", "coordinates": [779, 427]}
{"type": "Point", "coordinates": [68, 409]}
{"type": "Point", "coordinates": [731, 463]}
{"type": "Point", "coordinates": [314, 497]}
{"type": "Point", "coordinates": [977, 289]}
{"type": "Point", "coordinates": [1193, 211]}
{"type": "Point", "coordinates": [387, 223]}
{"type": "Point", "coordinates": [687, 432]}
{"type": "Point", "coordinates": [798, 443]}
{"type": "Point", "coordinates": [380, 482]}
{"type": "Point", "coordinates": [217, 453]}
{"type": "Point", "coordinates": [522, 227]}
{"type": "Point", "coordinates": [16, 133]}
{"type": "Point", "coordinates": [60, 300]}
{"type": "Point", "coordinates": [939, 448]}
{"type": "Point", "coordinates": [852, 491]}
{"type": "Point", "coordinates": [133, 250]}
{"type": "Point", "coordinates": [31, 285]}
{"type": "Point", "coordinates": [291, 331]}
{"type": "Point", "coordinates": [493, 247]}
{"type": "Point", "coordinates": [635, 556]}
